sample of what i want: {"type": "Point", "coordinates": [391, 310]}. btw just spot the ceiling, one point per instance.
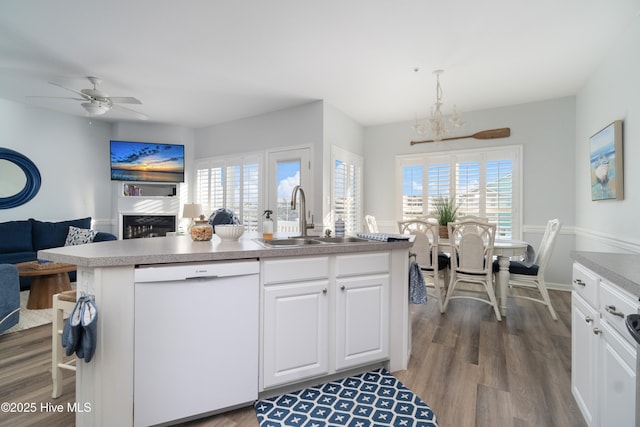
{"type": "Point", "coordinates": [198, 63]}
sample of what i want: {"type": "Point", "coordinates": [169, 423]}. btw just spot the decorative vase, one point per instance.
{"type": "Point", "coordinates": [443, 232]}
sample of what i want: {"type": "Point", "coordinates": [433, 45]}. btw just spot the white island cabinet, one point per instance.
{"type": "Point", "coordinates": [324, 310]}
{"type": "Point", "coordinates": [603, 379]}
{"type": "Point", "coordinates": [322, 315]}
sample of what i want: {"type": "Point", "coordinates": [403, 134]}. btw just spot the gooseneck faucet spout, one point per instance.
{"type": "Point", "coordinates": [303, 209]}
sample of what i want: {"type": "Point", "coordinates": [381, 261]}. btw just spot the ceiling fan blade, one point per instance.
{"type": "Point", "coordinates": [138, 114]}
{"type": "Point", "coordinates": [84, 96]}
{"type": "Point", "coordinates": [56, 97]}
{"type": "Point", "coordinates": [124, 100]}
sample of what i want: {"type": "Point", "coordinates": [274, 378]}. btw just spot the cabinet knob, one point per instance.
{"type": "Point", "coordinates": [324, 291]}
{"type": "Point", "coordinates": [612, 309]}
{"type": "Point", "coordinates": [343, 287]}
{"type": "Point", "coordinates": [597, 331]}
{"type": "Point", "coordinates": [579, 282]}
{"type": "Point", "coordinates": [588, 319]}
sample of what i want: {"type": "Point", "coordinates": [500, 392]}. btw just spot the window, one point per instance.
{"type": "Point", "coordinates": [346, 188]}
{"type": "Point", "coordinates": [484, 183]}
{"type": "Point", "coordinates": [233, 183]}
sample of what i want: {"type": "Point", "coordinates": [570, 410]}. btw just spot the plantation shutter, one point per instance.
{"type": "Point", "coordinates": [484, 183]}
{"type": "Point", "coordinates": [232, 183]}
{"type": "Point", "coordinates": [347, 189]}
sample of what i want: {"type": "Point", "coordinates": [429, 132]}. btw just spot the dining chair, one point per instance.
{"type": "Point", "coordinates": [524, 276]}
{"type": "Point", "coordinates": [472, 245]}
{"type": "Point", "coordinates": [433, 264]}
{"type": "Point", "coordinates": [472, 218]}
{"type": "Point", "coordinates": [370, 224]}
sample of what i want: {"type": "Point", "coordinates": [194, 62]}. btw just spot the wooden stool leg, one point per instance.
{"type": "Point", "coordinates": [56, 347]}
{"type": "Point", "coordinates": [60, 307]}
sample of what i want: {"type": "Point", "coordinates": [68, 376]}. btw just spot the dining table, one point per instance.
{"type": "Point", "coordinates": [503, 250]}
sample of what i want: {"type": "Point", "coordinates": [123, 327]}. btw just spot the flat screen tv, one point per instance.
{"type": "Point", "coordinates": [147, 162]}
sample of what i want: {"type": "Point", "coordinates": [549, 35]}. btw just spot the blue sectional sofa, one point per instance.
{"type": "Point", "coordinates": [20, 241]}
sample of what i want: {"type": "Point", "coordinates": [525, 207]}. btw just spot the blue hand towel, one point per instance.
{"type": "Point", "coordinates": [417, 288]}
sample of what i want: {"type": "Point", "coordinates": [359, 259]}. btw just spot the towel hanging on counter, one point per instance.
{"type": "Point", "coordinates": [417, 288]}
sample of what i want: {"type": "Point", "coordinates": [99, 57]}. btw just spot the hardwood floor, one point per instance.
{"type": "Point", "coordinates": [471, 369]}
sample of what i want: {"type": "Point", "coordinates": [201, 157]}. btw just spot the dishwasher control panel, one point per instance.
{"type": "Point", "coordinates": [184, 271]}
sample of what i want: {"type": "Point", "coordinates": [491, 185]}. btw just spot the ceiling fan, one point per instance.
{"type": "Point", "coordinates": [97, 102]}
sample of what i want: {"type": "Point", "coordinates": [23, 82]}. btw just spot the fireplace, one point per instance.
{"type": "Point", "coordinates": [135, 226]}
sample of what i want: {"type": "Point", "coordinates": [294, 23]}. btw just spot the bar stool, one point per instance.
{"type": "Point", "coordinates": [63, 303]}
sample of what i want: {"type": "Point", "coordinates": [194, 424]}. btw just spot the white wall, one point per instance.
{"type": "Point", "coordinates": [546, 130]}
{"type": "Point", "coordinates": [72, 155]}
{"type": "Point", "coordinates": [612, 93]}
{"type": "Point", "coordinates": [298, 126]}
{"type": "Point", "coordinates": [341, 131]}
{"type": "Point", "coordinates": [162, 133]}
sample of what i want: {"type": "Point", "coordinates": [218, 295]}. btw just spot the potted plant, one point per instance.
{"type": "Point", "coordinates": [446, 210]}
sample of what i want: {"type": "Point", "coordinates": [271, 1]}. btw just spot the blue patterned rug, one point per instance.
{"type": "Point", "coordinates": [373, 399]}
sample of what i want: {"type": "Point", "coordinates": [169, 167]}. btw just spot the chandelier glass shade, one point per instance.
{"type": "Point", "coordinates": [436, 125]}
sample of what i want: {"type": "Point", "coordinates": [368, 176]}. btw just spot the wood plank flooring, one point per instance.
{"type": "Point", "coordinates": [471, 369]}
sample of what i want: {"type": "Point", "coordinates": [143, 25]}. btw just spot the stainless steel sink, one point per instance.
{"type": "Point", "coordinates": [345, 239]}
{"type": "Point", "coordinates": [303, 241]}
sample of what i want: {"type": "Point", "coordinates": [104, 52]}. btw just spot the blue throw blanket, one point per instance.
{"type": "Point", "coordinates": [417, 288]}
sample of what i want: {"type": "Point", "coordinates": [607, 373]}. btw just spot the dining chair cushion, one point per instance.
{"type": "Point", "coordinates": [443, 262]}
{"type": "Point", "coordinates": [518, 267]}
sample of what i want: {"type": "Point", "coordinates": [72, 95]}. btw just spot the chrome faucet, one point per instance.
{"type": "Point", "coordinates": [303, 210]}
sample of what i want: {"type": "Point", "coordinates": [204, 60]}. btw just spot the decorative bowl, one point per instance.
{"type": "Point", "coordinates": [229, 231]}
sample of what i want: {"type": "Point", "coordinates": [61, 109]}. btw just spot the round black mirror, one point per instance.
{"type": "Point", "coordinates": [19, 179]}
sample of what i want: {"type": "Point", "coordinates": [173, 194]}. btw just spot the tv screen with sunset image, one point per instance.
{"type": "Point", "coordinates": [147, 161]}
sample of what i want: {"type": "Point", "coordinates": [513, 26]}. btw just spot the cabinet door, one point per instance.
{"type": "Point", "coordinates": [295, 332]}
{"type": "Point", "coordinates": [362, 320]}
{"type": "Point", "coordinates": [617, 379]}
{"type": "Point", "coordinates": [584, 354]}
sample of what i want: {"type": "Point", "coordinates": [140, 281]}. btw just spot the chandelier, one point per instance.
{"type": "Point", "coordinates": [435, 124]}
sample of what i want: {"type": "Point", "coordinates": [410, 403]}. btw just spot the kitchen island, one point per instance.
{"type": "Point", "coordinates": [107, 271]}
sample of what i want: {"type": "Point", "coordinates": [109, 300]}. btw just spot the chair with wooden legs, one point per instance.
{"type": "Point", "coordinates": [532, 276]}
{"type": "Point", "coordinates": [432, 263]}
{"type": "Point", "coordinates": [63, 304]}
{"type": "Point", "coordinates": [472, 245]}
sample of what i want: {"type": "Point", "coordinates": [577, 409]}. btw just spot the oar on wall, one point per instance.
{"type": "Point", "coordinates": [485, 134]}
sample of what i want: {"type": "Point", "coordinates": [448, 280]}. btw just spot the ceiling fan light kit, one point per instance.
{"type": "Point", "coordinates": [95, 108]}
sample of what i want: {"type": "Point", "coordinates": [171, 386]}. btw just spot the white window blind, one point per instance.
{"type": "Point", "coordinates": [232, 183]}
{"type": "Point", "coordinates": [347, 188]}
{"type": "Point", "coordinates": [484, 183]}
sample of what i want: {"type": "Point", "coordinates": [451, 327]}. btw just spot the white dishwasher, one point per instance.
{"type": "Point", "coordinates": [196, 339]}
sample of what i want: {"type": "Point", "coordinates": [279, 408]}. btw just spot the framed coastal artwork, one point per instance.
{"type": "Point", "coordinates": [606, 163]}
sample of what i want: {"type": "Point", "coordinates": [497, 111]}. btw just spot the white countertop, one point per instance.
{"type": "Point", "coordinates": [620, 269]}
{"type": "Point", "coordinates": [173, 249]}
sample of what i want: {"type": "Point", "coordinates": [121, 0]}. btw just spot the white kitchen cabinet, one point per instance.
{"type": "Point", "coordinates": [362, 320]}
{"type": "Point", "coordinates": [362, 309]}
{"type": "Point", "coordinates": [603, 379]}
{"type": "Point", "coordinates": [584, 354]}
{"type": "Point", "coordinates": [616, 379]}
{"type": "Point", "coordinates": [296, 332]}
{"type": "Point", "coordinates": [322, 315]}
